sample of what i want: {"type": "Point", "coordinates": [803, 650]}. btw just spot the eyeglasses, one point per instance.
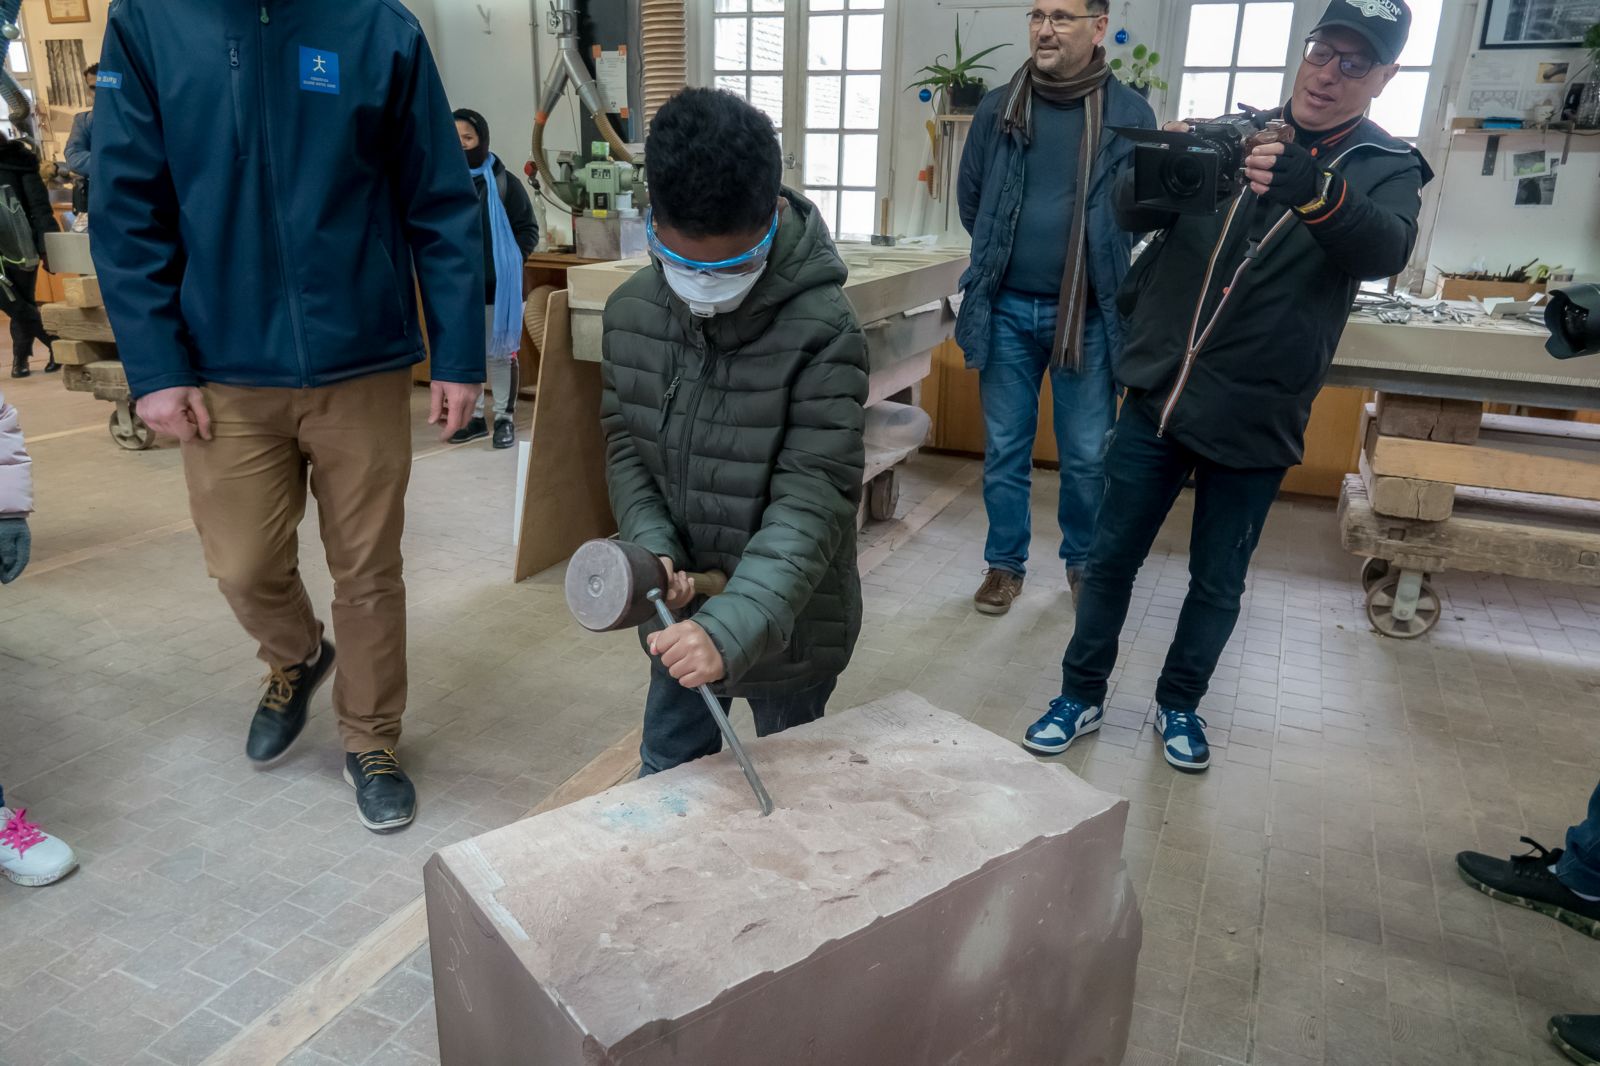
{"type": "Point", "coordinates": [1353, 65]}
{"type": "Point", "coordinates": [745, 263]}
{"type": "Point", "coordinates": [1059, 23]}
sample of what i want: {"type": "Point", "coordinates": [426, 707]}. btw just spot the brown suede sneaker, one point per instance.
{"type": "Point", "coordinates": [999, 589]}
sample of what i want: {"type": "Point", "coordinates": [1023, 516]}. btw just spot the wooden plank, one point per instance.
{"type": "Point", "coordinates": [1331, 444]}
{"type": "Point", "coordinates": [564, 497]}
{"type": "Point", "coordinates": [1554, 466]}
{"type": "Point", "coordinates": [82, 291]}
{"type": "Point", "coordinates": [78, 323]}
{"type": "Point", "coordinates": [280, 1032]}
{"type": "Point", "coordinates": [1528, 538]}
{"type": "Point", "coordinates": [82, 353]}
{"type": "Point", "coordinates": [1428, 418]}
{"type": "Point", "coordinates": [1403, 497]}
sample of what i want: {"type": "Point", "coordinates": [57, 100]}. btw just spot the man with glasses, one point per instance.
{"type": "Point", "coordinates": [1233, 319]}
{"type": "Point", "coordinates": [735, 383]}
{"type": "Point", "coordinates": [1047, 258]}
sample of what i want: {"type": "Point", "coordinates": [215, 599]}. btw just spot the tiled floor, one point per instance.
{"type": "Point", "coordinates": [1300, 902]}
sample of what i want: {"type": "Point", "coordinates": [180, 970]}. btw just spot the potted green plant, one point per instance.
{"type": "Point", "coordinates": [955, 80]}
{"type": "Point", "coordinates": [1139, 72]}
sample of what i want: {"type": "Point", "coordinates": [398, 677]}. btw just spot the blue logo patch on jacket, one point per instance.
{"type": "Point", "coordinates": [107, 80]}
{"type": "Point", "coordinates": [319, 71]}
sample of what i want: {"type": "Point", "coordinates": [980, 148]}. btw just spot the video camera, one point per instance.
{"type": "Point", "coordinates": [1194, 173]}
{"type": "Point", "coordinates": [1573, 318]}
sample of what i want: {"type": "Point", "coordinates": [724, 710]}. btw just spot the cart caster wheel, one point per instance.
{"type": "Point", "coordinates": [1373, 571]}
{"type": "Point", "coordinates": [136, 437]}
{"type": "Point", "coordinates": [1383, 603]}
{"type": "Point", "coordinates": [883, 496]}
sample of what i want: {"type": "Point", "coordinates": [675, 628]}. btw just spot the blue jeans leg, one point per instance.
{"type": "Point", "coordinates": [1008, 388]}
{"type": "Point", "coordinates": [1579, 868]}
{"type": "Point", "coordinates": [1085, 405]}
{"type": "Point", "coordinates": [678, 728]}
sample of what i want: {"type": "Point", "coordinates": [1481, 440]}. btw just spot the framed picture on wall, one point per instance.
{"type": "Point", "coordinates": [67, 10]}
{"type": "Point", "coordinates": [1538, 23]}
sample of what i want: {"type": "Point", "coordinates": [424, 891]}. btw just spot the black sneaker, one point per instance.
{"type": "Point", "coordinates": [505, 433]}
{"type": "Point", "coordinates": [475, 429]}
{"type": "Point", "coordinates": [282, 712]}
{"type": "Point", "coordinates": [1526, 880]}
{"type": "Point", "coordinates": [52, 366]}
{"type": "Point", "coordinates": [385, 797]}
{"type": "Point", "coordinates": [1578, 1036]}
{"type": "Point", "coordinates": [19, 368]}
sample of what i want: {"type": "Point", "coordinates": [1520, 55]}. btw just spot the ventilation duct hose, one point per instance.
{"type": "Point", "coordinates": [662, 36]}
{"type": "Point", "coordinates": [569, 68]}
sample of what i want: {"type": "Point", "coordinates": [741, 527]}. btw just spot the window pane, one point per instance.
{"type": "Point", "coordinates": [1399, 109]}
{"type": "Point", "coordinates": [732, 41]}
{"type": "Point", "coordinates": [827, 201]}
{"type": "Point", "coordinates": [766, 5]}
{"type": "Point", "coordinates": [1203, 96]}
{"type": "Point", "coordinates": [1260, 90]}
{"type": "Point", "coordinates": [861, 101]}
{"type": "Point", "coordinates": [826, 5]}
{"type": "Point", "coordinates": [766, 44]}
{"type": "Point", "coordinates": [864, 5]}
{"type": "Point", "coordinates": [822, 101]}
{"type": "Point", "coordinates": [826, 50]}
{"type": "Point", "coordinates": [1424, 33]}
{"type": "Point", "coordinates": [767, 94]}
{"type": "Point", "coordinates": [1264, 38]}
{"type": "Point", "coordinates": [731, 5]}
{"type": "Point", "coordinates": [855, 213]}
{"type": "Point", "coordinates": [737, 84]}
{"type": "Point", "coordinates": [822, 159]}
{"type": "Point", "coordinates": [860, 159]}
{"type": "Point", "coordinates": [1211, 30]}
{"type": "Point", "coordinates": [866, 42]}
{"type": "Point", "coordinates": [19, 57]}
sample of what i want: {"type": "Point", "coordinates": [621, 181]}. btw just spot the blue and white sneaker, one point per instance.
{"type": "Point", "coordinates": [1064, 722]}
{"type": "Point", "coordinates": [1183, 739]}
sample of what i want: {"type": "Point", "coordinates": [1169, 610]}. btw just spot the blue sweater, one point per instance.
{"type": "Point", "coordinates": [1049, 188]}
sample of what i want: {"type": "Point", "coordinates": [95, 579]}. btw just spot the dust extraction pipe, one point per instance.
{"type": "Point", "coordinates": [663, 34]}
{"type": "Point", "coordinates": [16, 100]}
{"type": "Point", "coordinates": [569, 68]}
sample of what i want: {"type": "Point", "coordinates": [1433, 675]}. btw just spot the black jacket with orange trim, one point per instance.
{"type": "Point", "coordinates": [1274, 288]}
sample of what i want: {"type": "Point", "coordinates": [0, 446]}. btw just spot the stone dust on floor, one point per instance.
{"type": "Point", "coordinates": [1300, 899]}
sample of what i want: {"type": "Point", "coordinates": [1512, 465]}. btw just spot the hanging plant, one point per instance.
{"type": "Point", "coordinates": [1139, 72]}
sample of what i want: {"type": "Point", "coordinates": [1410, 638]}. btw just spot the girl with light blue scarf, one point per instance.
{"type": "Point", "coordinates": [510, 233]}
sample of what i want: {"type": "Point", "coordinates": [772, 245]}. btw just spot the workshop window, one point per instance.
{"type": "Point", "coordinates": [826, 100]}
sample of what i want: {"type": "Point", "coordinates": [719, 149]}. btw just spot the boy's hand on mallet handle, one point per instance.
{"type": "Point", "coordinates": [680, 586]}
{"type": "Point", "coordinates": [688, 654]}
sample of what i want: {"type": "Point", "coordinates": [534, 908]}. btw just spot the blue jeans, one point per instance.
{"type": "Point", "coordinates": [678, 728]}
{"type": "Point", "coordinates": [1144, 474]}
{"type": "Point", "coordinates": [1579, 868]}
{"type": "Point", "coordinates": [1085, 407]}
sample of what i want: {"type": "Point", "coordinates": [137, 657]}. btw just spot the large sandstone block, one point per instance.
{"type": "Point", "coordinates": [926, 893]}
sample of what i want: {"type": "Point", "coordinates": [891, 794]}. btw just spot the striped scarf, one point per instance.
{"type": "Point", "coordinates": [1089, 86]}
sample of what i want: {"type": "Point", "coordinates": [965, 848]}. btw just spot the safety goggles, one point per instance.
{"type": "Point", "coordinates": [746, 263]}
{"type": "Point", "coordinates": [1353, 65]}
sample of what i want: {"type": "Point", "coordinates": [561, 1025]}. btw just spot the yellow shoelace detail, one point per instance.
{"type": "Point", "coordinates": [374, 763]}
{"type": "Point", "coordinates": [280, 687]}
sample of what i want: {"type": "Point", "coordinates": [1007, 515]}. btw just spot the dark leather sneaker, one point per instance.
{"type": "Point", "coordinates": [475, 429]}
{"type": "Point", "coordinates": [282, 711]}
{"type": "Point", "coordinates": [505, 433]}
{"type": "Point", "coordinates": [999, 589]}
{"type": "Point", "coordinates": [1526, 881]}
{"type": "Point", "coordinates": [385, 797]}
{"type": "Point", "coordinates": [1578, 1037]}
{"type": "Point", "coordinates": [52, 366]}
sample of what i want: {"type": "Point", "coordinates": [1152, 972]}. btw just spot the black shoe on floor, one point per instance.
{"type": "Point", "coordinates": [52, 366]}
{"type": "Point", "coordinates": [19, 368]}
{"type": "Point", "coordinates": [475, 429]}
{"type": "Point", "coordinates": [282, 712]}
{"type": "Point", "coordinates": [1578, 1036]}
{"type": "Point", "coordinates": [1526, 881]}
{"type": "Point", "coordinates": [505, 433]}
{"type": "Point", "coordinates": [385, 797]}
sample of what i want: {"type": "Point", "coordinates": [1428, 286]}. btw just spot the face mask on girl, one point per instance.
{"type": "Point", "coordinates": [712, 288]}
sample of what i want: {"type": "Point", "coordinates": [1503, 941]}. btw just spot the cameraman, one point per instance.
{"type": "Point", "coordinates": [1233, 320]}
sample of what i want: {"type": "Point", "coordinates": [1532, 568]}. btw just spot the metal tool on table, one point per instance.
{"type": "Point", "coordinates": [612, 584]}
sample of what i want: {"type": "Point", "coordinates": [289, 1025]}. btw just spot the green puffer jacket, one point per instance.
{"type": "Point", "coordinates": [735, 443]}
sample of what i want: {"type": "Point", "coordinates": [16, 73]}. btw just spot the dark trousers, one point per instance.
{"type": "Point", "coordinates": [1144, 474]}
{"type": "Point", "coordinates": [1579, 868]}
{"type": "Point", "coordinates": [21, 305]}
{"type": "Point", "coordinates": [678, 727]}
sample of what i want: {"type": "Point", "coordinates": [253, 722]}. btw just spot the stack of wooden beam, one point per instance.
{"type": "Point", "coordinates": [87, 348]}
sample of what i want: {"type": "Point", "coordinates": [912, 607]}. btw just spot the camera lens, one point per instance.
{"type": "Point", "coordinates": [1184, 177]}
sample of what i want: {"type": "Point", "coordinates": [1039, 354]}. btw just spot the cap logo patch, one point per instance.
{"type": "Point", "coordinates": [1377, 9]}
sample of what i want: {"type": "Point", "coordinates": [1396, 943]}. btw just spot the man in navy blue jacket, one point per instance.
{"type": "Point", "coordinates": [268, 175]}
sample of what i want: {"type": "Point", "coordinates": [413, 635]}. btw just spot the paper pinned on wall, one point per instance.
{"type": "Point", "coordinates": [1502, 101]}
{"type": "Point", "coordinates": [1486, 70]}
{"type": "Point", "coordinates": [1529, 164]}
{"type": "Point", "coordinates": [1538, 191]}
{"type": "Point", "coordinates": [611, 74]}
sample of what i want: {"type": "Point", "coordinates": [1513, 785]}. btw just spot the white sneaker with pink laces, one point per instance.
{"type": "Point", "coordinates": [30, 856]}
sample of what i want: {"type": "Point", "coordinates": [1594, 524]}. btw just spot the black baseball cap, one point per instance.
{"type": "Point", "coordinates": [1384, 24]}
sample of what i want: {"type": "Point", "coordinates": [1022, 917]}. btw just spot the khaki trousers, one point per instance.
{"type": "Point", "coordinates": [247, 491]}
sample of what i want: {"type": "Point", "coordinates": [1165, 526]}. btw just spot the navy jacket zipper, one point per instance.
{"type": "Point", "coordinates": [698, 390]}
{"type": "Point", "coordinates": [296, 323]}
